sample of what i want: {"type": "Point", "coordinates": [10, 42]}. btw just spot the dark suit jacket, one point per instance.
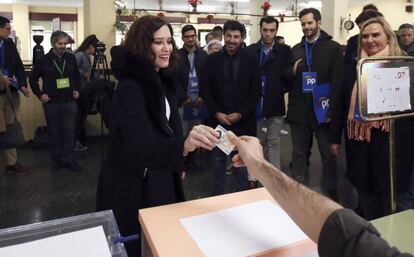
{"type": "Point", "coordinates": [275, 69]}
{"type": "Point", "coordinates": [245, 97]}
{"type": "Point", "coordinates": [184, 69]}
{"type": "Point", "coordinates": [13, 63]}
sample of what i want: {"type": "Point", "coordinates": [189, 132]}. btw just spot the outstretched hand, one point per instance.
{"type": "Point", "coordinates": [250, 151]}
{"type": "Point", "coordinates": [201, 136]}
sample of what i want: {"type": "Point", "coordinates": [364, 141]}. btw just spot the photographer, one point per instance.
{"type": "Point", "coordinates": [83, 59]}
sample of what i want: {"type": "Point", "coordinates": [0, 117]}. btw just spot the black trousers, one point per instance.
{"type": "Point", "coordinates": [60, 119]}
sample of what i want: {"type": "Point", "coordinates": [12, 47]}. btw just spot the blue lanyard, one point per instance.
{"type": "Point", "coordinates": [263, 55]}
{"type": "Point", "coordinates": [309, 53]}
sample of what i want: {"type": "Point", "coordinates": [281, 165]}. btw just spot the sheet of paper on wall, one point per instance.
{"type": "Point", "coordinates": [388, 90]}
{"type": "Point", "coordinates": [89, 242]}
{"type": "Point", "coordinates": [244, 230]}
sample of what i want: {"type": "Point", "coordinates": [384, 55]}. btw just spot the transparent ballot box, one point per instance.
{"type": "Point", "coordinates": [94, 234]}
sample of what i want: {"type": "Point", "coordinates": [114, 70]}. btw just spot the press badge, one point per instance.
{"type": "Point", "coordinates": [308, 81]}
{"type": "Point", "coordinates": [62, 83]}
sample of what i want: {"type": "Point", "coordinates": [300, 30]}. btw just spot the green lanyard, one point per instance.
{"type": "Point", "coordinates": [61, 71]}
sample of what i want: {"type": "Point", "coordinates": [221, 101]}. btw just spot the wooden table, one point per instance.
{"type": "Point", "coordinates": [166, 237]}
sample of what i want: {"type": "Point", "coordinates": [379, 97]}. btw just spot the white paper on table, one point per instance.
{"type": "Point", "coordinates": [245, 230]}
{"type": "Point", "coordinates": [388, 90]}
{"type": "Point", "coordinates": [89, 242]}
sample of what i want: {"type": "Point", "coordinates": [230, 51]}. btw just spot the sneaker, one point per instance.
{"type": "Point", "coordinates": [284, 132]}
{"type": "Point", "coordinates": [16, 169]}
{"type": "Point", "coordinates": [79, 147]}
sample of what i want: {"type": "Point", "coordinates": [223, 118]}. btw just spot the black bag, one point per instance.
{"type": "Point", "coordinates": [13, 136]}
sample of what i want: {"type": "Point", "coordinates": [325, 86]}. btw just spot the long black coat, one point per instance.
{"type": "Point", "coordinates": [245, 97]}
{"type": "Point", "coordinates": [368, 163]}
{"type": "Point", "coordinates": [146, 150]}
{"type": "Point", "coordinates": [275, 68]}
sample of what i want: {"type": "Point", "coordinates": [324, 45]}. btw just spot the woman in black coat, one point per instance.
{"type": "Point", "coordinates": [147, 148]}
{"type": "Point", "coordinates": [366, 143]}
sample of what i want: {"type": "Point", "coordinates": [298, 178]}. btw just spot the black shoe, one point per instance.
{"type": "Point", "coordinates": [16, 169]}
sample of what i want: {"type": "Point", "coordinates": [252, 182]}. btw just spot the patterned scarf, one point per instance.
{"type": "Point", "coordinates": [361, 130]}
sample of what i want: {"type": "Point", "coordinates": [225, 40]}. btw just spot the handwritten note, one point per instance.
{"type": "Point", "coordinates": [388, 90]}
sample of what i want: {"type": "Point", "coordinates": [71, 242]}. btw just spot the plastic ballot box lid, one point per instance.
{"type": "Point", "coordinates": [94, 234]}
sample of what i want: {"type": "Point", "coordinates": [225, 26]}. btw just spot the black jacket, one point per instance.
{"type": "Point", "coordinates": [345, 234]}
{"type": "Point", "coordinates": [328, 62]}
{"type": "Point", "coordinates": [46, 70]}
{"type": "Point", "coordinates": [146, 150]}
{"type": "Point", "coordinates": [368, 163]}
{"type": "Point", "coordinates": [276, 69]}
{"type": "Point", "coordinates": [244, 98]}
{"type": "Point", "coordinates": [184, 69]}
{"type": "Point", "coordinates": [13, 63]}
{"type": "Point", "coordinates": [351, 50]}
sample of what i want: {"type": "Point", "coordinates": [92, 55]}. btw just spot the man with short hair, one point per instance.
{"type": "Point", "coordinates": [231, 92]}
{"type": "Point", "coordinates": [406, 36]}
{"type": "Point", "coordinates": [13, 70]}
{"type": "Point", "coordinates": [217, 33]}
{"type": "Point", "coordinates": [191, 67]}
{"type": "Point", "coordinates": [61, 85]}
{"type": "Point", "coordinates": [352, 43]}
{"type": "Point", "coordinates": [274, 61]}
{"type": "Point", "coordinates": [317, 70]}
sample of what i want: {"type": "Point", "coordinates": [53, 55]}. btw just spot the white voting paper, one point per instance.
{"type": "Point", "coordinates": [388, 90]}
{"type": "Point", "coordinates": [89, 242]}
{"type": "Point", "coordinates": [243, 231]}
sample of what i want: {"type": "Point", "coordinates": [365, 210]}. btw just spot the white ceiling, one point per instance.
{"type": "Point", "coordinates": [213, 6]}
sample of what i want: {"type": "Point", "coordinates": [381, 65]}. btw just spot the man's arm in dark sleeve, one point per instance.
{"type": "Point", "coordinates": [19, 72]}
{"type": "Point", "coordinates": [34, 78]}
{"type": "Point", "coordinates": [345, 234]}
{"type": "Point", "coordinates": [337, 65]}
{"type": "Point", "coordinates": [255, 89]}
{"type": "Point", "coordinates": [76, 74]}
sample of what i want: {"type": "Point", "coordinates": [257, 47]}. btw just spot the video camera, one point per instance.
{"type": "Point", "coordinates": [100, 48]}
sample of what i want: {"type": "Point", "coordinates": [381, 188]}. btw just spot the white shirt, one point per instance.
{"type": "Point", "coordinates": [167, 109]}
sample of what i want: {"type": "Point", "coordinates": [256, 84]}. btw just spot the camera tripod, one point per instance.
{"type": "Point", "coordinates": [100, 89]}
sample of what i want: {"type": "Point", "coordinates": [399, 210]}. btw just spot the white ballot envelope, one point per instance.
{"type": "Point", "coordinates": [224, 144]}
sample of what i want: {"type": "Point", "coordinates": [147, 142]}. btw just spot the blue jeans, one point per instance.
{"type": "Point", "coordinates": [220, 173]}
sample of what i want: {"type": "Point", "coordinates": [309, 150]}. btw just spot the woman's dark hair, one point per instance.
{"type": "Point", "coordinates": [140, 36]}
{"type": "Point", "coordinates": [89, 40]}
